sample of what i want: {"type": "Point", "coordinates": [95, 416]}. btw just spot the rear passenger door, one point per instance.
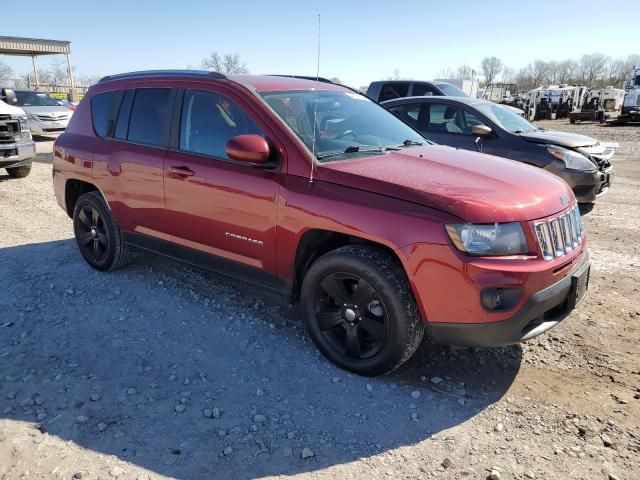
{"type": "Point", "coordinates": [132, 158]}
{"type": "Point", "coordinates": [216, 205]}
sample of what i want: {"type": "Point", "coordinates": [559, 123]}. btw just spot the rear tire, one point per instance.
{"type": "Point", "coordinates": [97, 233]}
{"type": "Point", "coordinates": [360, 310]}
{"type": "Point", "coordinates": [19, 172]}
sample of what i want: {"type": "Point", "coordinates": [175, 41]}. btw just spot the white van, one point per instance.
{"type": "Point", "coordinates": [17, 148]}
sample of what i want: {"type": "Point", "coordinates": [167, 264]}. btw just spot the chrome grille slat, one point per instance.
{"type": "Point", "coordinates": [560, 235]}
{"type": "Point", "coordinates": [556, 236]}
{"type": "Point", "coordinates": [50, 118]}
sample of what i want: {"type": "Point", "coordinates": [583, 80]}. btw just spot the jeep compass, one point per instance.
{"type": "Point", "coordinates": [312, 190]}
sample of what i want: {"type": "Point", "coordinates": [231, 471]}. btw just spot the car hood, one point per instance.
{"type": "Point", "coordinates": [475, 187]}
{"type": "Point", "coordinates": [10, 109]}
{"type": "Point", "coordinates": [55, 111]}
{"type": "Point", "coordinates": [563, 139]}
{"type": "Point", "coordinates": [515, 110]}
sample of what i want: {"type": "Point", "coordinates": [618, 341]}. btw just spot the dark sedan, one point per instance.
{"type": "Point", "coordinates": [474, 124]}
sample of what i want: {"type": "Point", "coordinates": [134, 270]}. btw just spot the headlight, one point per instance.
{"type": "Point", "coordinates": [573, 160]}
{"type": "Point", "coordinates": [488, 239]}
{"type": "Point", "coordinates": [32, 117]}
{"type": "Point", "coordinates": [24, 125]}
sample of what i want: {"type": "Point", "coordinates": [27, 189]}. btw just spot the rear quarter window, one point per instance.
{"type": "Point", "coordinates": [102, 106]}
{"type": "Point", "coordinates": [150, 116]}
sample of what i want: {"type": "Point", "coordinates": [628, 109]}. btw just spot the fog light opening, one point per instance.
{"type": "Point", "coordinates": [492, 298]}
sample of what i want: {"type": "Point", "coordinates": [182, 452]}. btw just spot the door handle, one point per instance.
{"type": "Point", "coordinates": [182, 171]}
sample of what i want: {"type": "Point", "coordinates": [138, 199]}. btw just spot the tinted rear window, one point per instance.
{"type": "Point", "coordinates": [122, 124]}
{"type": "Point", "coordinates": [394, 90]}
{"type": "Point", "coordinates": [150, 116]}
{"type": "Point", "coordinates": [101, 107]}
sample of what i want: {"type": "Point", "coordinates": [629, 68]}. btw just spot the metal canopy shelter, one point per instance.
{"type": "Point", "coordinates": [34, 47]}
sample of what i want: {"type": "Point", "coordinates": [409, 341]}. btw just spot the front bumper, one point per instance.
{"type": "Point", "coordinates": [17, 154]}
{"type": "Point", "coordinates": [47, 128]}
{"type": "Point", "coordinates": [586, 186]}
{"type": "Point", "coordinates": [541, 312]}
{"type": "Point", "coordinates": [589, 186]}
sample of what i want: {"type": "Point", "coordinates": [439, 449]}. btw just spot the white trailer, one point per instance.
{"type": "Point", "coordinates": [600, 104]}
{"type": "Point", "coordinates": [467, 85]}
{"type": "Point", "coordinates": [554, 101]}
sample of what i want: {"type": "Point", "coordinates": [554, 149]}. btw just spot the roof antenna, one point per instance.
{"type": "Point", "coordinates": [315, 107]}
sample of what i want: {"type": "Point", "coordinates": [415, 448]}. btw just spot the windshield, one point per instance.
{"type": "Point", "coordinates": [451, 90]}
{"type": "Point", "coordinates": [346, 123]}
{"type": "Point", "coordinates": [506, 118]}
{"type": "Point", "coordinates": [33, 99]}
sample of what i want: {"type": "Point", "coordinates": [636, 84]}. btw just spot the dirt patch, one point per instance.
{"type": "Point", "coordinates": [164, 371]}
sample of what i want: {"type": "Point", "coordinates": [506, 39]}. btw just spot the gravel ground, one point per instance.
{"type": "Point", "coordinates": [164, 371]}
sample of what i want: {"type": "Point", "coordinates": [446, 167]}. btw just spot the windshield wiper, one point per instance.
{"type": "Point", "coordinates": [356, 149]}
{"type": "Point", "coordinates": [410, 143]}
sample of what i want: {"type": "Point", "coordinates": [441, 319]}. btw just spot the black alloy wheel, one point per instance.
{"type": "Point", "coordinates": [97, 233]}
{"type": "Point", "coordinates": [351, 315]}
{"type": "Point", "coordinates": [360, 310]}
{"type": "Point", "coordinates": [92, 234]}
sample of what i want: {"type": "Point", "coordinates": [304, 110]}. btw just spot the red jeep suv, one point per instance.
{"type": "Point", "coordinates": [312, 190]}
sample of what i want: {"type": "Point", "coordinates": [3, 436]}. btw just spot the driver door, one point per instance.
{"type": "Point", "coordinates": [216, 205]}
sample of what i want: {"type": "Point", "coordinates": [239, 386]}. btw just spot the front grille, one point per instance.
{"type": "Point", "coordinates": [8, 130]}
{"type": "Point", "coordinates": [49, 118]}
{"type": "Point", "coordinates": [559, 235]}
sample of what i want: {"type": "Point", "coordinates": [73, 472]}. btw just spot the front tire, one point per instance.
{"type": "Point", "coordinates": [360, 310]}
{"type": "Point", "coordinates": [97, 233]}
{"type": "Point", "coordinates": [19, 172]}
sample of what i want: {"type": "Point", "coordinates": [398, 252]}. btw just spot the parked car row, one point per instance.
{"type": "Point", "coordinates": [317, 192]}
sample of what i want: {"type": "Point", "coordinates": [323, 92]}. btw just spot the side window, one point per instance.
{"type": "Point", "coordinates": [150, 116]}
{"type": "Point", "coordinates": [102, 106]}
{"type": "Point", "coordinates": [445, 118]}
{"type": "Point", "coordinates": [408, 113]}
{"type": "Point", "coordinates": [122, 123]}
{"type": "Point", "coordinates": [209, 120]}
{"type": "Point", "coordinates": [393, 90]}
{"type": "Point", "coordinates": [422, 90]}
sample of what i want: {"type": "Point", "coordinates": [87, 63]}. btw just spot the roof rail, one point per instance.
{"type": "Point", "coordinates": [319, 79]}
{"type": "Point", "coordinates": [304, 77]}
{"type": "Point", "coordinates": [163, 73]}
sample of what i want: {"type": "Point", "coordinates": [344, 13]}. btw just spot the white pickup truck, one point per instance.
{"type": "Point", "coordinates": [17, 148]}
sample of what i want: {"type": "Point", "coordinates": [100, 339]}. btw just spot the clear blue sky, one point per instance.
{"type": "Point", "coordinates": [361, 41]}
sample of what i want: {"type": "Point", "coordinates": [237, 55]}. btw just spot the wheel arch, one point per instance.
{"type": "Point", "coordinates": [316, 242]}
{"type": "Point", "coordinates": [73, 189]}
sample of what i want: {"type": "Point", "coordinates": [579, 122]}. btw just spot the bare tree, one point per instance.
{"type": "Point", "coordinates": [566, 71]}
{"type": "Point", "coordinates": [506, 75]}
{"type": "Point", "coordinates": [616, 72]}
{"type": "Point", "coordinates": [6, 72]}
{"type": "Point", "coordinates": [228, 63]}
{"type": "Point", "coordinates": [58, 74]}
{"type": "Point", "coordinates": [539, 71]}
{"type": "Point", "coordinates": [552, 72]}
{"type": "Point", "coordinates": [463, 72]}
{"type": "Point", "coordinates": [491, 67]}
{"type": "Point", "coordinates": [446, 73]}
{"type": "Point", "coordinates": [86, 80]}
{"type": "Point", "coordinates": [592, 67]}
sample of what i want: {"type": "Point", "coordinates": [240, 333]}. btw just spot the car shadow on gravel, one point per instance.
{"type": "Point", "coordinates": [194, 376]}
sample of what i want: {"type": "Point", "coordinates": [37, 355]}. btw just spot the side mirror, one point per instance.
{"type": "Point", "coordinates": [248, 148]}
{"type": "Point", "coordinates": [481, 130]}
{"type": "Point", "coordinates": [9, 96]}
